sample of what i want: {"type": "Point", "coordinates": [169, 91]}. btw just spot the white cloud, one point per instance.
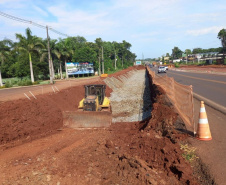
{"type": "Point", "coordinates": [41, 11]}
{"type": "Point", "coordinates": [204, 31]}
{"type": "Point", "coordinates": [164, 23]}
{"type": "Point", "coordinates": [78, 22]}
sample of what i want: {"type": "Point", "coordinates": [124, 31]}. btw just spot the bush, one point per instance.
{"type": "Point", "coordinates": [176, 65]}
{"type": "Point", "coordinates": [188, 152]}
{"type": "Point", "coordinates": [8, 84]}
{"type": "Point", "coordinates": [37, 82]}
{"type": "Point", "coordinates": [24, 83]}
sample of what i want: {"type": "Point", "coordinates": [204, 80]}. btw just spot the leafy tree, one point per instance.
{"type": "Point", "coordinates": [4, 52]}
{"type": "Point", "coordinates": [176, 53]}
{"type": "Point", "coordinates": [163, 60]}
{"type": "Point", "coordinates": [187, 52]}
{"type": "Point", "coordinates": [99, 44]}
{"type": "Point", "coordinates": [29, 44]}
{"type": "Point", "coordinates": [197, 50]}
{"type": "Point", "coordinates": [115, 55]}
{"type": "Point", "coordinates": [84, 54]}
{"type": "Point", "coordinates": [222, 37]}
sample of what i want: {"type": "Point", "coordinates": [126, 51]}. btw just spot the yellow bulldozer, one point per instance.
{"type": "Point", "coordinates": [94, 110]}
{"type": "Point", "coordinates": [95, 99]}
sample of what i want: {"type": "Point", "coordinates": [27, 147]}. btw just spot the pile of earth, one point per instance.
{"type": "Point", "coordinates": [145, 152]}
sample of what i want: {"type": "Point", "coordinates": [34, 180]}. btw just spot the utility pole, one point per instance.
{"type": "Point", "coordinates": [50, 65]}
{"type": "Point", "coordinates": [102, 60]}
{"type": "Point", "coordinates": [99, 66]}
{"type": "Point", "coordinates": [115, 60]}
{"type": "Point", "coordinates": [1, 84]}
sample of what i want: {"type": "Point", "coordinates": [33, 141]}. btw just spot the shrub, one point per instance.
{"type": "Point", "coordinates": [24, 83]}
{"type": "Point", "coordinates": [176, 65]}
{"type": "Point", "coordinates": [188, 152]}
{"type": "Point", "coordinates": [8, 84]}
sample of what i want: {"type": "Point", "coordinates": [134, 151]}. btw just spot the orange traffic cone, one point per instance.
{"type": "Point", "coordinates": [203, 132]}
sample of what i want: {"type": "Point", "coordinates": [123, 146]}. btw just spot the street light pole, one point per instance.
{"type": "Point", "coordinates": [50, 65]}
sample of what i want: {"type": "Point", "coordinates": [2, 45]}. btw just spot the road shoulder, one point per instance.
{"type": "Point", "coordinates": [213, 152]}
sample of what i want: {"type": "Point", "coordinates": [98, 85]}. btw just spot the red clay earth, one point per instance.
{"type": "Point", "coordinates": [37, 149]}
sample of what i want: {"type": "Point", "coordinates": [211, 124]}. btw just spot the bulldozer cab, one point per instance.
{"type": "Point", "coordinates": [97, 90]}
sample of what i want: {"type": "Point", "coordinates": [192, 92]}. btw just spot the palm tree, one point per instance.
{"type": "Point", "coordinates": [29, 44]}
{"type": "Point", "coordinates": [58, 54]}
{"type": "Point", "coordinates": [4, 51]}
{"type": "Point", "coordinates": [65, 52]}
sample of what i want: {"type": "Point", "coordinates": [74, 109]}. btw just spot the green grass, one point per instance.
{"type": "Point", "coordinates": [15, 82]}
{"type": "Point", "coordinates": [188, 152]}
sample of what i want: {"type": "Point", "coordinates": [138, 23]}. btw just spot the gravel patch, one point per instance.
{"type": "Point", "coordinates": [130, 99]}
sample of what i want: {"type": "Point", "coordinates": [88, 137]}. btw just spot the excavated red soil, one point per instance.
{"type": "Point", "coordinates": [126, 153]}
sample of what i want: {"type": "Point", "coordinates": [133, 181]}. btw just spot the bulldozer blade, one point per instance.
{"type": "Point", "coordinates": [87, 119]}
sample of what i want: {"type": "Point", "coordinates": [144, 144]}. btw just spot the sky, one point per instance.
{"type": "Point", "coordinates": [152, 27]}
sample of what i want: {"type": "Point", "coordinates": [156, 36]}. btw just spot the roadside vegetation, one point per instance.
{"type": "Point", "coordinates": [26, 62]}
{"type": "Point", "coordinates": [188, 152]}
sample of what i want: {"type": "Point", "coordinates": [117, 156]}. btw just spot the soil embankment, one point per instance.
{"type": "Point", "coordinates": [126, 153]}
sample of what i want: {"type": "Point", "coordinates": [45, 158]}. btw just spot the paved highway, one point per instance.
{"type": "Point", "coordinates": [210, 86]}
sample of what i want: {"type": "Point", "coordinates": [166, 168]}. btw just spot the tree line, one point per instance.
{"type": "Point", "coordinates": [177, 53]}
{"type": "Point", "coordinates": [29, 55]}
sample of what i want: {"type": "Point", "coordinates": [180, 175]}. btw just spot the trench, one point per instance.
{"type": "Point", "coordinates": [131, 96]}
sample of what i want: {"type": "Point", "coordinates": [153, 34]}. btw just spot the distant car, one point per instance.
{"type": "Point", "coordinates": [150, 65]}
{"type": "Point", "coordinates": [166, 67]}
{"type": "Point", "coordinates": [162, 69]}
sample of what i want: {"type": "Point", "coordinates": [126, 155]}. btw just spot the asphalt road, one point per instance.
{"type": "Point", "coordinates": [210, 86]}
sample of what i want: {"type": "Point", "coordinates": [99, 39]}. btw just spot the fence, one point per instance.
{"type": "Point", "coordinates": [181, 96]}
{"type": "Point", "coordinates": [30, 92]}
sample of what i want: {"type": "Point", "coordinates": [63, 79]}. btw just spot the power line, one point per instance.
{"type": "Point", "coordinates": [30, 22]}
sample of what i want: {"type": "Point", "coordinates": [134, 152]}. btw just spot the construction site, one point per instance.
{"type": "Point", "coordinates": [139, 140]}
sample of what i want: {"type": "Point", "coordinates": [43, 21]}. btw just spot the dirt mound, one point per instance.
{"type": "Point", "coordinates": [24, 120]}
